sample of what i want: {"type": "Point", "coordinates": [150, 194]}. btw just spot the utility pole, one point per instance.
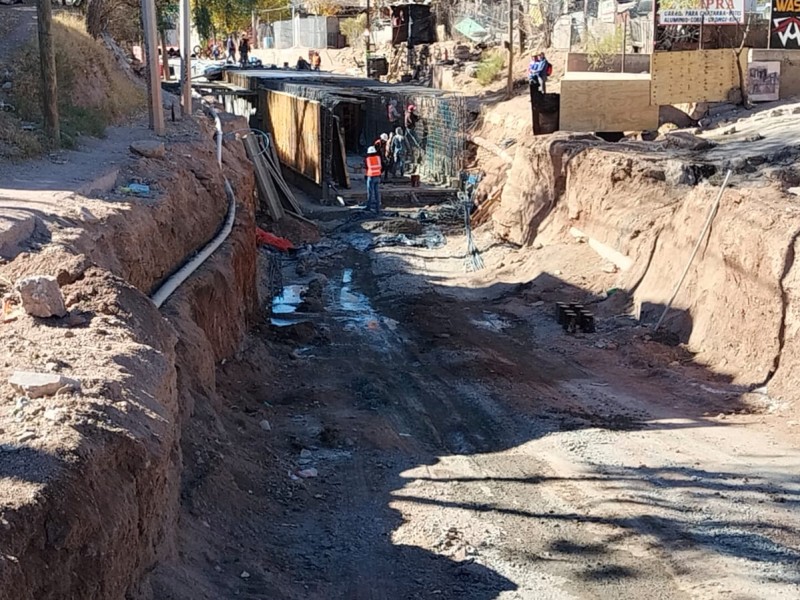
{"type": "Point", "coordinates": [47, 57]}
{"type": "Point", "coordinates": [153, 80]}
{"type": "Point", "coordinates": [510, 84]}
{"type": "Point", "coordinates": [367, 38]}
{"type": "Point", "coordinates": [186, 57]}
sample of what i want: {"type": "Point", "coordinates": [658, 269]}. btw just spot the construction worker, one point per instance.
{"type": "Point", "coordinates": [381, 146]}
{"type": "Point", "coordinates": [374, 171]}
{"type": "Point", "coordinates": [398, 151]}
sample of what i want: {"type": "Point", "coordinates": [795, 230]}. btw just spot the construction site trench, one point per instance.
{"type": "Point", "coordinates": [361, 418]}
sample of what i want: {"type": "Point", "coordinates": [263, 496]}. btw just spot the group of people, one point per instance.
{"type": "Point", "coordinates": [243, 48]}
{"type": "Point", "coordinates": [388, 154]}
{"type": "Point", "coordinates": [539, 70]}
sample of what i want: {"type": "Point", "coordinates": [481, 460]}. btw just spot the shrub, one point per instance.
{"type": "Point", "coordinates": [353, 30]}
{"type": "Point", "coordinates": [490, 67]}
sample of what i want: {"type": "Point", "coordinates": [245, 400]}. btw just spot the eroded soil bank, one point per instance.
{"type": "Point", "coordinates": [90, 479]}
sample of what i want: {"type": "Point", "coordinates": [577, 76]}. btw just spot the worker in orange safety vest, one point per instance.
{"type": "Point", "coordinates": [374, 171]}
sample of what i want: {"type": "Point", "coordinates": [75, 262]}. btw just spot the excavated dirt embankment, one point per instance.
{"type": "Point", "coordinates": [738, 308]}
{"type": "Point", "coordinates": [90, 481]}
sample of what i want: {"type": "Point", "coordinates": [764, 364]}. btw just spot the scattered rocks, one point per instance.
{"type": "Point", "coordinates": [264, 424]}
{"type": "Point", "coordinates": [56, 415]}
{"type": "Point", "coordinates": [37, 385]}
{"type": "Point", "coordinates": [308, 473]}
{"type": "Point", "coordinates": [41, 296]}
{"type": "Point", "coordinates": [687, 141]}
{"type": "Point", "coordinates": [149, 149]}
{"type": "Point", "coordinates": [305, 453]}
{"type": "Point", "coordinates": [610, 268]}
{"type": "Point", "coordinates": [754, 138]}
{"type": "Point", "coordinates": [8, 86]}
{"type": "Point", "coordinates": [25, 436]}
{"type": "Point", "coordinates": [244, 575]}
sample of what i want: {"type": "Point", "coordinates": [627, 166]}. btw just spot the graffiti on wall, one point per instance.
{"type": "Point", "coordinates": [785, 25]}
{"type": "Point", "coordinates": [763, 81]}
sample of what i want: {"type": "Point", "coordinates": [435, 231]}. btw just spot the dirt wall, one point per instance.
{"type": "Point", "coordinates": [90, 501]}
{"type": "Point", "coordinates": [732, 308]}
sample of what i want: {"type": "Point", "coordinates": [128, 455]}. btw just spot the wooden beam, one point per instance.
{"type": "Point", "coordinates": [153, 80]}
{"type": "Point", "coordinates": [47, 58]}
{"type": "Point", "coordinates": [267, 191]}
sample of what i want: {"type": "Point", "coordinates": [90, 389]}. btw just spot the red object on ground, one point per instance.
{"type": "Point", "coordinates": [265, 237]}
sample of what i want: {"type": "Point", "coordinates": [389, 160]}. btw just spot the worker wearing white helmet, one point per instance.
{"type": "Point", "coordinates": [374, 170]}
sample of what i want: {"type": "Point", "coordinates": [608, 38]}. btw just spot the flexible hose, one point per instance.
{"type": "Point", "coordinates": [176, 279]}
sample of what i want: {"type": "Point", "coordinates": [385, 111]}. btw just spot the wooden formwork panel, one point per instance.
{"type": "Point", "coordinates": [296, 128]}
{"type": "Point", "coordinates": [695, 76]}
{"type": "Point", "coordinates": [606, 102]}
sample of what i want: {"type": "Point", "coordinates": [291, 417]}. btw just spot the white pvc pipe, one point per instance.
{"type": "Point", "coordinates": [170, 285]}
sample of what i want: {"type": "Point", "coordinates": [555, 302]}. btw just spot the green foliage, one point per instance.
{"type": "Point", "coordinates": [490, 67]}
{"type": "Point", "coordinates": [353, 30]}
{"type": "Point", "coordinates": [203, 21]}
{"type": "Point", "coordinates": [601, 51]}
{"type": "Point", "coordinates": [168, 11]}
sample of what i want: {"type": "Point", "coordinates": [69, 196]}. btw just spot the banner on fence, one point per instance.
{"type": "Point", "coordinates": [785, 24]}
{"type": "Point", "coordinates": [694, 12]}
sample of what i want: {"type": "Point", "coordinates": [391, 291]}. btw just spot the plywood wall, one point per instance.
{"type": "Point", "coordinates": [606, 102]}
{"type": "Point", "coordinates": [695, 76]}
{"type": "Point", "coordinates": [296, 126]}
{"type": "Point", "coordinates": [790, 68]}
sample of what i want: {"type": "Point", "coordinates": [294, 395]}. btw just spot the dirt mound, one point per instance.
{"type": "Point", "coordinates": [94, 90]}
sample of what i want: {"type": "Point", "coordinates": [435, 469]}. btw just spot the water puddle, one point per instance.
{"type": "Point", "coordinates": [343, 303]}
{"type": "Point", "coordinates": [492, 322]}
{"type": "Point", "coordinates": [285, 305]}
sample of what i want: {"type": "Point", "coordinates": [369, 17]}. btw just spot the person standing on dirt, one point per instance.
{"type": "Point", "coordinates": [374, 172]}
{"type": "Point", "coordinates": [231, 45]}
{"type": "Point", "coordinates": [244, 51]}
{"type": "Point", "coordinates": [316, 61]}
{"type": "Point", "coordinates": [398, 150]}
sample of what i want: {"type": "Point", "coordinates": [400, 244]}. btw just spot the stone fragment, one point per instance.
{"type": "Point", "coordinates": [149, 149]}
{"type": "Point", "coordinates": [36, 385]}
{"type": "Point", "coordinates": [41, 296]}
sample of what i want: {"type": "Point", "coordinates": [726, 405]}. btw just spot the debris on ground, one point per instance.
{"type": "Point", "coordinates": [41, 296]}
{"type": "Point", "coordinates": [38, 385]}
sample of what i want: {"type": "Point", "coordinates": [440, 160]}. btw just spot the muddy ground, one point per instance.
{"type": "Point", "coordinates": [392, 433]}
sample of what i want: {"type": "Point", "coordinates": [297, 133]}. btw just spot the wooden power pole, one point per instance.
{"type": "Point", "coordinates": [47, 57]}
{"type": "Point", "coordinates": [510, 83]}
{"type": "Point", "coordinates": [153, 80]}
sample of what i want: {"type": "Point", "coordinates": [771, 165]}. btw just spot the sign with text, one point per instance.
{"type": "Point", "coordinates": [694, 12]}
{"type": "Point", "coordinates": [785, 24]}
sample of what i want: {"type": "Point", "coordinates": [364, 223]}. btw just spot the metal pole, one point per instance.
{"type": "Point", "coordinates": [367, 40]}
{"type": "Point", "coordinates": [47, 60]}
{"type": "Point", "coordinates": [186, 57]}
{"type": "Point", "coordinates": [624, 39]}
{"type": "Point", "coordinates": [154, 81]}
{"type": "Point", "coordinates": [711, 214]}
{"type": "Point", "coordinates": [510, 82]}
{"type": "Point", "coordinates": [700, 41]}
{"type": "Point", "coordinates": [769, 28]}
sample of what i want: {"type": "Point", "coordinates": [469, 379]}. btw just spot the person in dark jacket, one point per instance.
{"type": "Point", "coordinates": [244, 51]}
